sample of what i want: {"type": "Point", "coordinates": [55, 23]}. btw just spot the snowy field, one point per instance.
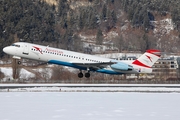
{"type": "Point", "coordinates": [93, 89]}
{"type": "Point", "coordinates": [163, 88]}
{"type": "Point", "coordinates": [89, 106]}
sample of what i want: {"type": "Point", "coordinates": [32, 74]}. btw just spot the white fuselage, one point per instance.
{"type": "Point", "coordinates": [68, 58]}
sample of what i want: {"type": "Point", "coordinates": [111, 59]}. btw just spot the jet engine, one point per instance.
{"type": "Point", "coordinates": [121, 67]}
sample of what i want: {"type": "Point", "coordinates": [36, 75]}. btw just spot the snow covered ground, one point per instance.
{"type": "Point", "coordinates": [89, 106]}
{"type": "Point", "coordinates": [161, 88]}
{"type": "Point", "coordinates": [7, 71]}
{"type": "Point", "coordinates": [90, 88]}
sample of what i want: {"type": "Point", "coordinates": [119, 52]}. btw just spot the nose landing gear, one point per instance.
{"type": "Point", "coordinates": [19, 62]}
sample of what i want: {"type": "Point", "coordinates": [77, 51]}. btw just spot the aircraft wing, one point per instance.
{"type": "Point", "coordinates": [94, 65]}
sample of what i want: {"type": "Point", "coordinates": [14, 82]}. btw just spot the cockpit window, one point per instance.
{"type": "Point", "coordinates": [15, 45]}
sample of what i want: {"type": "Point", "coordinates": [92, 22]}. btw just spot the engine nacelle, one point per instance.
{"type": "Point", "coordinates": [121, 67]}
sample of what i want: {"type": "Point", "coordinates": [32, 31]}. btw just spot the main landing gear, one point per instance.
{"type": "Point", "coordinates": [80, 75]}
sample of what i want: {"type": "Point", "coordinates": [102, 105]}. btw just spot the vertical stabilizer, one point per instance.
{"type": "Point", "coordinates": [148, 58]}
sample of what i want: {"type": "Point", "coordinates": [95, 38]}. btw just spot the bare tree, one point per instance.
{"type": "Point", "coordinates": [119, 43]}
{"type": "Point", "coordinates": [1, 75]}
{"type": "Point", "coordinates": [15, 69]}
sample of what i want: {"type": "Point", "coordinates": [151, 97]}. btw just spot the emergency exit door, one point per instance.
{"type": "Point", "coordinates": [26, 49]}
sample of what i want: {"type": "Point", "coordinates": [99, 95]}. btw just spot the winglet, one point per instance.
{"type": "Point", "coordinates": [148, 58]}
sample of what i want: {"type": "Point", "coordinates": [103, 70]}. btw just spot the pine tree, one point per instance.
{"type": "Point", "coordinates": [92, 19]}
{"type": "Point", "coordinates": [144, 42]}
{"type": "Point", "coordinates": [104, 13]}
{"type": "Point", "coordinates": [114, 17]}
{"type": "Point", "coordinates": [146, 22]}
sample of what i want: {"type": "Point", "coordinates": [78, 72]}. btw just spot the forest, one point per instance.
{"type": "Point", "coordinates": [60, 24]}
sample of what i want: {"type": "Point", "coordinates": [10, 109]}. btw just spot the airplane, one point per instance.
{"type": "Point", "coordinates": [83, 61]}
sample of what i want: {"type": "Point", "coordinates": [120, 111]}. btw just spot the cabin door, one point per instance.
{"type": "Point", "coordinates": [26, 49]}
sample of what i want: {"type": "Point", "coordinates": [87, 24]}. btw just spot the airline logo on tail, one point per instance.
{"type": "Point", "coordinates": [148, 58]}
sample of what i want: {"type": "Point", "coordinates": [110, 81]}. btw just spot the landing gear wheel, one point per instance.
{"type": "Point", "coordinates": [80, 75]}
{"type": "Point", "coordinates": [19, 62]}
{"type": "Point", "coordinates": [87, 75]}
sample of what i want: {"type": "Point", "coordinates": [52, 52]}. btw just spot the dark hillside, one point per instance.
{"type": "Point", "coordinates": [29, 21]}
{"type": "Point", "coordinates": [61, 23]}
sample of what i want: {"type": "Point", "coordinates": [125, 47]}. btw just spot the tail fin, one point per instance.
{"type": "Point", "coordinates": [148, 58]}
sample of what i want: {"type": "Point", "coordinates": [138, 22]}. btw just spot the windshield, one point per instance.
{"type": "Point", "coordinates": [15, 45]}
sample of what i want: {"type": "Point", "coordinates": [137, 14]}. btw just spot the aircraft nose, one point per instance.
{"type": "Point", "coordinates": [6, 50]}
